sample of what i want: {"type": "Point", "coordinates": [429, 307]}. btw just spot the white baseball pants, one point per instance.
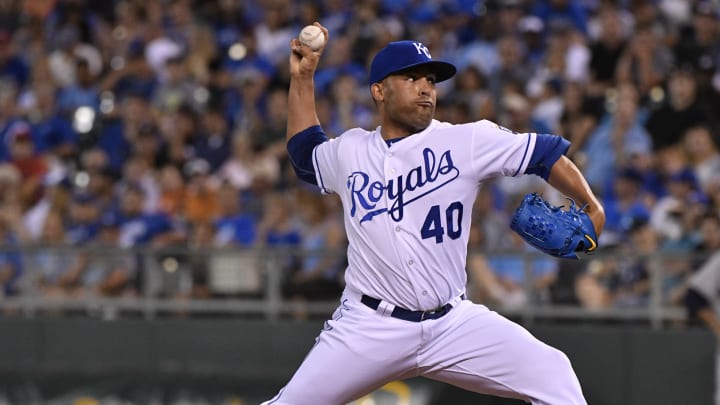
{"type": "Point", "coordinates": [361, 349]}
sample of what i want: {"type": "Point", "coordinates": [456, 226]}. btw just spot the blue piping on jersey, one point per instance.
{"type": "Point", "coordinates": [322, 183]}
{"type": "Point", "coordinates": [300, 151]}
{"type": "Point", "coordinates": [548, 149]}
{"type": "Point", "coordinates": [527, 145]}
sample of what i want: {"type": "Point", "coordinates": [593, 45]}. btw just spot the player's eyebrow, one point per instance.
{"type": "Point", "coordinates": [418, 72]}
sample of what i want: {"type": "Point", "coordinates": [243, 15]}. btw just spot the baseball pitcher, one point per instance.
{"type": "Point", "coordinates": [703, 301]}
{"type": "Point", "coordinates": [407, 189]}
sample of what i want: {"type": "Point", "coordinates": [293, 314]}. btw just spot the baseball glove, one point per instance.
{"type": "Point", "coordinates": [553, 230]}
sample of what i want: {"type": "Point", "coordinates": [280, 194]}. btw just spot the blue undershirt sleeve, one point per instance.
{"type": "Point", "coordinates": [300, 149]}
{"type": "Point", "coordinates": [548, 149]}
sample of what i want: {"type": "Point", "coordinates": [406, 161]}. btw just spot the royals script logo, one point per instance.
{"type": "Point", "coordinates": [434, 173]}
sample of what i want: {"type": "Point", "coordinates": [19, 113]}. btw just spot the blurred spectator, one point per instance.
{"type": "Point", "coordinates": [624, 204]}
{"type": "Point", "coordinates": [606, 50]}
{"type": "Point", "coordinates": [489, 223]}
{"type": "Point", "coordinates": [680, 111]}
{"type": "Point", "coordinates": [214, 141]}
{"type": "Point", "coordinates": [172, 192]}
{"type": "Point", "coordinates": [52, 132]}
{"type": "Point", "coordinates": [320, 271]}
{"type": "Point", "coordinates": [118, 133]}
{"type": "Point", "coordinates": [278, 227]}
{"type": "Point", "coordinates": [131, 75]}
{"type": "Point", "coordinates": [148, 147]}
{"type": "Point", "coordinates": [12, 66]}
{"type": "Point", "coordinates": [102, 270]}
{"type": "Point", "coordinates": [517, 115]}
{"type": "Point", "coordinates": [645, 62]}
{"type": "Point", "coordinates": [233, 226]}
{"type": "Point", "coordinates": [618, 137]}
{"type": "Point", "coordinates": [512, 73]}
{"type": "Point", "coordinates": [708, 238]}
{"type": "Point", "coordinates": [137, 172]}
{"type": "Point", "coordinates": [178, 87]}
{"type": "Point", "coordinates": [201, 202]}
{"type": "Point", "coordinates": [698, 44]}
{"type": "Point", "coordinates": [200, 244]}
{"type": "Point", "coordinates": [512, 281]}
{"type": "Point", "coordinates": [56, 198]}
{"type": "Point", "coordinates": [275, 31]}
{"type": "Point", "coordinates": [623, 279]}
{"type": "Point", "coordinates": [471, 88]}
{"type": "Point", "coordinates": [140, 228]}
{"type": "Point", "coordinates": [179, 130]}
{"type": "Point", "coordinates": [248, 165]}
{"type": "Point", "coordinates": [31, 166]}
{"type": "Point", "coordinates": [83, 93]}
{"type": "Point", "coordinates": [270, 134]}
{"type": "Point", "coordinates": [562, 11]}
{"type": "Point", "coordinates": [49, 266]}
{"type": "Point", "coordinates": [195, 37]}
{"type": "Point", "coordinates": [350, 111]}
{"type": "Point", "coordinates": [532, 30]}
{"type": "Point", "coordinates": [83, 222]}
{"type": "Point", "coordinates": [9, 187]}
{"type": "Point", "coordinates": [11, 267]}
{"type": "Point", "coordinates": [579, 117]}
{"type": "Point", "coordinates": [673, 215]}
{"type": "Point", "coordinates": [703, 155]}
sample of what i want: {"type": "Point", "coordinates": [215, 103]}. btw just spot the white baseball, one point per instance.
{"type": "Point", "coordinates": [312, 36]}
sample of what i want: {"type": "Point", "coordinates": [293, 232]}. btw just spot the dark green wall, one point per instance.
{"type": "Point", "coordinates": [616, 365]}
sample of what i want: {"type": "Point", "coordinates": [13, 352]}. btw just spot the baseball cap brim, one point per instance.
{"type": "Point", "coordinates": [443, 70]}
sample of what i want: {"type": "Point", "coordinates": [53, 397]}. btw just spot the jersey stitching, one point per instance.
{"type": "Point", "coordinates": [527, 146]}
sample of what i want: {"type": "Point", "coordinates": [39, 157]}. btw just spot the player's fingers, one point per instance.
{"type": "Point", "coordinates": [326, 34]}
{"type": "Point", "coordinates": [295, 46]}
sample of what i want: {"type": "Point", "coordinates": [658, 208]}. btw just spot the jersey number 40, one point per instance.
{"type": "Point", "coordinates": [433, 226]}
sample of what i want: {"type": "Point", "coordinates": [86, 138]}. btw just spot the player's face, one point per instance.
{"type": "Point", "coordinates": [409, 99]}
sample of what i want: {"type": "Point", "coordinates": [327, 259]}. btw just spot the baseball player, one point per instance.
{"type": "Point", "coordinates": [703, 301]}
{"type": "Point", "coordinates": [407, 189]}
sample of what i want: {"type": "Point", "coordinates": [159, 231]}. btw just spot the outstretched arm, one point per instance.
{"type": "Point", "coordinates": [301, 95]}
{"type": "Point", "coordinates": [567, 179]}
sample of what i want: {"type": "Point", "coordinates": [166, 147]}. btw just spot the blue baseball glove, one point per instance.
{"type": "Point", "coordinates": [552, 230]}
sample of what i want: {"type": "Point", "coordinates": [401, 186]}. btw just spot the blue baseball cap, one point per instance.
{"type": "Point", "coordinates": [401, 55]}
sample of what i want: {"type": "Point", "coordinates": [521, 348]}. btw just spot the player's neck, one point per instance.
{"type": "Point", "coordinates": [392, 130]}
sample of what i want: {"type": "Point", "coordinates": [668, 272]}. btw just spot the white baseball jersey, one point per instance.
{"type": "Point", "coordinates": [707, 281]}
{"type": "Point", "coordinates": [422, 190]}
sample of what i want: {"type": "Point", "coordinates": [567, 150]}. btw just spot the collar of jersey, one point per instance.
{"type": "Point", "coordinates": [390, 142]}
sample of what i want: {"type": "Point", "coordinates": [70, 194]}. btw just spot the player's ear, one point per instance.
{"type": "Point", "coordinates": [377, 91]}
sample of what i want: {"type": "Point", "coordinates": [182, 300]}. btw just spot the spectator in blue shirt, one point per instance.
{"type": "Point", "coordinates": [562, 12]}
{"type": "Point", "coordinates": [12, 67]}
{"type": "Point", "coordinates": [138, 227]}
{"type": "Point", "coordinates": [52, 132]}
{"type": "Point", "coordinates": [233, 226]}
{"type": "Point", "coordinates": [82, 93]}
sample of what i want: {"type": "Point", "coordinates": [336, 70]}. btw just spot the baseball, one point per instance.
{"type": "Point", "coordinates": [312, 36]}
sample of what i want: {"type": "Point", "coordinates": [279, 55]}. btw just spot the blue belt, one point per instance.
{"type": "Point", "coordinates": [408, 315]}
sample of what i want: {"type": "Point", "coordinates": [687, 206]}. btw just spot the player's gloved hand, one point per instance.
{"type": "Point", "coordinates": [553, 230]}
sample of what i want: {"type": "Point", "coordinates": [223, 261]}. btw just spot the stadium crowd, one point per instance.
{"type": "Point", "coordinates": [161, 123]}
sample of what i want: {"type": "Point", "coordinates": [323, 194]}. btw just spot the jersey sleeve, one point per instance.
{"type": "Point", "coordinates": [706, 280]}
{"type": "Point", "coordinates": [498, 151]}
{"type": "Point", "coordinates": [325, 162]}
